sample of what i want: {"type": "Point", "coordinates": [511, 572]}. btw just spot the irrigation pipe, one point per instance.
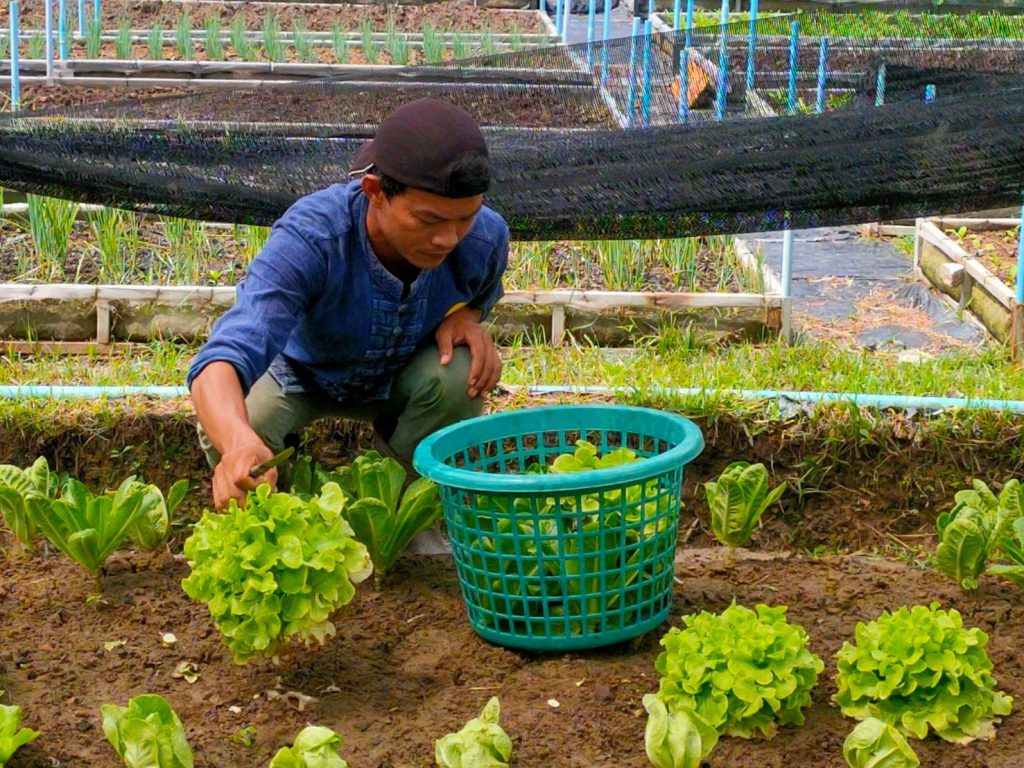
{"type": "Point", "coordinates": [865, 400]}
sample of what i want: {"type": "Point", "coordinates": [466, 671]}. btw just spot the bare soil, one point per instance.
{"type": "Point", "coordinates": [407, 668]}
{"type": "Point", "coordinates": [996, 250]}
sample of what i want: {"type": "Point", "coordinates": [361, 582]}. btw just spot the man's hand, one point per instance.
{"type": "Point", "coordinates": [231, 477]}
{"type": "Point", "coordinates": [462, 327]}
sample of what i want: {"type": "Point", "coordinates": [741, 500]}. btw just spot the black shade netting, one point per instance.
{"type": "Point", "coordinates": [591, 141]}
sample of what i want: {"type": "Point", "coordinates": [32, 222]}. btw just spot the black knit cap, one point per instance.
{"type": "Point", "coordinates": [423, 144]}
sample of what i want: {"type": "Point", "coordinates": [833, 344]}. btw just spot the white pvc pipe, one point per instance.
{"type": "Point", "coordinates": [48, 26]}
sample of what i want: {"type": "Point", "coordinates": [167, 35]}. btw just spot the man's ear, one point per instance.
{"type": "Point", "coordinates": [370, 184]}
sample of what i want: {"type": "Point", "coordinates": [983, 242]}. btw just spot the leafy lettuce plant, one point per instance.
{"type": "Point", "coordinates": [153, 523]}
{"type": "Point", "coordinates": [382, 517]}
{"type": "Point", "coordinates": [147, 733]}
{"type": "Point", "coordinates": [19, 489]}
{"type": "Point", "coordinates": [482, 743]}
{"type": "Point", "coordinates": [314, 747]}
{"type": "Point", "coordinates": [12, 738]}
{"type": "Point", "coordinates": [737, 501]}
{"type": "Point", "coordinates": [679, 739]}
{"type": "Point", "coordinates": [974, 531]}
{"type": "Point", "coordinates": [741, 672]}
{"type": "Point", "coordinates": [1013, 549]}
{"type": "Point", "coordinates": [919, 670]}
{"type": "Point", "coordinates": [875, 744]}
{"type": "Point", "coordinates": [275, 568]}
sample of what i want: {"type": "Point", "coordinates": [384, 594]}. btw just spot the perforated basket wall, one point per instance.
{"type": "Point", "coordinates": [562, 561]}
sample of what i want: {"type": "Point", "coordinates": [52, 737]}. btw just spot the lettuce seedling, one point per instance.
{"type": "Point", "coordinates": [743, 673]}
{"type": "Point", "coordinates": [147, 733]}
{"type": "Point", "coordinates": [737, 501]}
{"type": "Point", "coordinates": [382, 517]}
{"type": "Point", "coordinates": [275, 568]}
{"type": "Point", "coordinates": [919, 670]}
{"type": "Point", "coordinates": [482, 743]}
{"type": "Point", "coordinates": [973, 531]}
{"type": "Point", "coordinates": [1013, 549]}
{"type": "Point", "coordinates": [679, 739]}
{"type": "Point", "coordinates": [314, 747]}
{"type": "Point", "coordinates": [874, 744]}
{"type": "Point", "coordinates": [12, 737]}
{"type": "Point", "coordinates": [153, 522]}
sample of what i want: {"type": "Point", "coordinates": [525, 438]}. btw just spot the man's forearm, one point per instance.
{"type": "Point", "coordinates": [220, 406]}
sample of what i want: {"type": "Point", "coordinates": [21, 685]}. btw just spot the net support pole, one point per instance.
{"type": "Point", "coordinates": [591, 30]}
{"type": "Point", "coordinates": [606, 34]}
{"type": "Point", "coordinates": [566, 13]}
{"type": "Point", "coordinates": [822, 76]}
{"type": "Point", "coordinates": [97, 11]}
{"type": "Point", "coordinates": [631, 93]}
{"type": "Point", "coordinates": [677, 15]}
{"type": "Point", "coordinates": [62, 28]}
{"type": "Point", "coordinates": [751, 47]}
{"type": "Point", "coordinates": [48, 31]}
{"type": "Point", "coordinates": [684, 86]}
{"type": "Point", "coordinates": [645, 92]}
{"type": "Point", "coordinates": [787, 283]}
{"type": "Point", "coordinates": [723, 63]}
{"type": "Point", "coordinates": [794, 48]}
{"type": "Point", "coordinates": [1017, 319]}
{"type": "Point", "coordinates": [688, 40]}
{"type": "Point", "coordinates": [81, 18]}
{"type": "Point", "coordinates": [880, 86]}
{"type": "Point", "coordinates": [558, 16]}
{"type": "Point", "coordinates": [15, 58]}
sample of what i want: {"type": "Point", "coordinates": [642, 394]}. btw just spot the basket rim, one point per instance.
{"type": "Point", "coordinates": [425, 462]}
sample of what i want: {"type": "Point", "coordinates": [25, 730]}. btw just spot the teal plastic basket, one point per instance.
{"type": "Point", "coordinates": [562, 561]}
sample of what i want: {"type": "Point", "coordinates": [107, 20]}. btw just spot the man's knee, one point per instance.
{"type": "Point", "coordinates": [445, 384]}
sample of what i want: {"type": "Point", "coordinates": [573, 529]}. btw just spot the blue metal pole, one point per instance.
{"type": "Point", "coordinates": [1020, 259]}
{"type": "Point", "coordinates": [566, 14]}
{"type": "Point", "coordinates": [677, 14]}
{"type": "Point", "coordinates": [794, 43]}
{"type": "Point", "coordinates": [751, 45]}
{"type": "Point", "coordinates": [62, 28]}
{"type": "Point", "coordinates": [723, 63]}
{"type": "Point", "coordinates": [48, 29]}
{"type": "Point", "coordinates": [15, 59]}
{"type": "Point", "coordinates": [607, 33]}
{"type": "Point", "coordinates": [822, 74]}
{"type": "Point", "coordinates": [558, 17]}
{"type": "Point", "coordinates": [97, 15]}
{"type": "Point", "coordinates": [880, 86]}
{"type": "Point", "coordinates": [929, 93]}
{"type": "Point", "coordinates": [631, 96]}
{"type": "Point", "coordinates": [689, 23]}
{"type": "Point", "coordinates": [684, 86]}
{"type": "Point", "coordinates": [81, 18]}
{"type": "Point", "coordinates": [645, 94]}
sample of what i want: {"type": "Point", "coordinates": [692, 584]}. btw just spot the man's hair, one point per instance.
{"type": "Point", "coordinates": [468, 175]}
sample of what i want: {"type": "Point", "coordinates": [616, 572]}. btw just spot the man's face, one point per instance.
{"type": "Point", "coordinates": [420, 226]}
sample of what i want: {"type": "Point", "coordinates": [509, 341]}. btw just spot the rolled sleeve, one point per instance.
{"type": "Point", "coordinates": [279, 285]}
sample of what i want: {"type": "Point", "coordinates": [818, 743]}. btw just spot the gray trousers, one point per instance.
{"type": "Point", "coordinates": [425, 397]}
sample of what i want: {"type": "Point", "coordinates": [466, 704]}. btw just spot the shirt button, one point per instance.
{"type": "Point", "coordinates": [397, 331]}
{"type": "Point", "coordinates": [390, 353]}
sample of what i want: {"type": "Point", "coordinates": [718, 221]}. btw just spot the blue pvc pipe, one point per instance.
{"type": "Point", "coordinates": [81, 18]}
{"type": "Point", "coordinates": [62, 29]}
{"type": "Point", "coordinates": [929, 93]}
{"type": "Point", "coordinates": [787, 261]}
{"type": "Point", "coordinates": [558, 17]}
{"type": "Point", "coordinates": [863, 399]}
{"type": "Point", "coordinates": [631, 95]}
{"type": "Point", "coordinates": [96, 10]}
{"type": "Point", "coordinates": [822, 75]}
{"type": "Point", "coordinates": [591, 29]}
{"type": "Point", "coordinates": [880, 86]}
{"type": "Point", "coordinates": [1020, 259]}
{"type": "Point", "coordinates": [684, 86]}
{"type": "Point", "coordinates": [794, 42]}
{"type": "Point", "coordinates": [15, 58]}
{"type": "Point", "coordinates": [645, 93]}
{"type": "Point", "coordinates": [723, 63]}
{"type": "Point", "coordinates": [751, 45]}
{"type": "Point", "coordinates": [677, 15]}
{"type": "Point", "coordinates": [688, 40]}
{"type": "Point", "coordinates": [566, 16]}
{"type": "Point", "coordinates": [48, 31]}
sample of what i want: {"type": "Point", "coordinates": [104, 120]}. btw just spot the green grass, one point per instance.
{"type": "Point", "coordinates": [183, 37]}
{"type": "Point", "coordinates": [339, 43]}
{"type": "Point", "coordinates": [213, 46]}
{"type": "Point", "coordinates": [37, 47]}
{"type": "Point", "coordinates": [123, 42]}
{"type": "Point", "coordinates": [671, 361]}
{"type": "Point", "coordinates": [302, 42]}
{"type": "Point", "coordinates": [155, 43]}
{"type": "Point", "coordinates": [371, 49]}
{"type": "Point", "coordinates": [93, 38]}
{"type": "Point", "coordinates": [433, 44]}
{"type": "Point", "coordinates": [272, 43]}
{"type": "Point", "coordinates": [244, 49]}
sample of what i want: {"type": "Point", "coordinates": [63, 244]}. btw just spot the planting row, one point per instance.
{"type": "Point", "coordinates": [915, 672]}
{"type": "Point", "coordinates": [210, 39]}
{"type": "Point", "coordinates": [57, 242]}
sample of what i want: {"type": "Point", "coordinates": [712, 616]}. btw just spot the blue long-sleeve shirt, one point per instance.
{"type": "Point", "coordinates": [318, 307]}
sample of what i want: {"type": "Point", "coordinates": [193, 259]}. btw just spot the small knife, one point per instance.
{"type": "Point", "coordinates": [272, 462]}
